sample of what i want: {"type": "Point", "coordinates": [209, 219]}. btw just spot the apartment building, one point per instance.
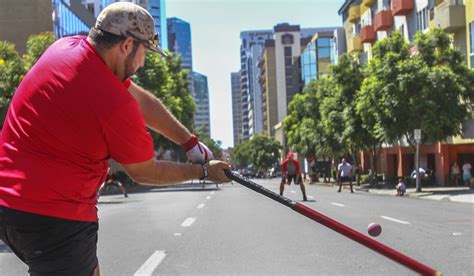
{"type": "Point", "coordinates": [367, 21]}
{"type": "Point", "coordinates": [236, 107]}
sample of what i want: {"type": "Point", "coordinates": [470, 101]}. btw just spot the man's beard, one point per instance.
{"type": "Point", "coordinates": [129, 71]}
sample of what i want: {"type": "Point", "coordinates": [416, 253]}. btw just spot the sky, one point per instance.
{"type": "Point", "coordinates": [215, 34]}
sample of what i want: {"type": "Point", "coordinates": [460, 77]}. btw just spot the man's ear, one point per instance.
{"type": "Point", "coordinates": [126, 46]}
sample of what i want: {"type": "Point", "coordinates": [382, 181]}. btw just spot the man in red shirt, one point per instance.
{"type": "Point", "coordinates": [290, 170]}
{"type": "Point", "coordinates": [75, 109]}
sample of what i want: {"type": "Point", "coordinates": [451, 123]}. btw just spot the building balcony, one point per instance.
{"type": "Point", "coordinates": [368, 3]}
{"type": "Point", "coordinates": [367, 34]}
{"type": "Point", "coordinates": [354, 14]}
{"type": "Point", "coordinates": [450, 16]}
{"type": "Point", "coordinates": [383, 20]}
{"type": "Point", "coordinates": [402, 7]}
{"type": "Point", "coordinates": [354, 44]}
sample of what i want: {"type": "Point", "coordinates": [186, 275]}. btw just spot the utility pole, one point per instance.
{"type": "Point", "coordinates": [417, 159]}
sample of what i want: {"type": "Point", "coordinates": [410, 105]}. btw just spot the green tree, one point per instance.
{"type": "Point", "coordinates": [35, 46]}
{"type": "Point", "coordinates": [241, 154]}
{"type": "Point", "coordinates": [164, 78]}
{"type": "Point", "coordinates": [265, 151]}
{"type": "Point", "coordinates": [11, 73]}
{"type": "Point", "coordinates": [431, 90]}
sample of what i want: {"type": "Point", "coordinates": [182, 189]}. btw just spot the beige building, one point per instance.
{"type": "Point", "coordinates": [21, 18]}
{"type": "Point", "coordinates": [268, 85]}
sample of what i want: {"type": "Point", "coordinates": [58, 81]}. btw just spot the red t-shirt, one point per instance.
{"type": "Point", "coordinates": [292, 167]}
{"type": "Point", "coordinates": [69, 115]}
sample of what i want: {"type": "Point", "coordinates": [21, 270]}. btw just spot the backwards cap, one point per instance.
{"type": "Point", "coordinates": [128, 19]}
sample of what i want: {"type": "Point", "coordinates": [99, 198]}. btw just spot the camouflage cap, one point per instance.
{"type": "Point", "coordinates": [128, 19]}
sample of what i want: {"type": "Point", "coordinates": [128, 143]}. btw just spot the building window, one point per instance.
{"type": "Point", "coordinates": [471, 38]}
{"type": "Point", "coordinates": [422, 18]}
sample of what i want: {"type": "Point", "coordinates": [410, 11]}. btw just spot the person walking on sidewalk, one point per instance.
{"type": "Point", "coordinates": [455, 174]}
{"type": "Point", "coordinates": [344, 174]}
{"type": "Point", "coordinates": [291, 171]}
{"type": "Point", "coordinates": [74, 110]}
{"type": "Point", "coordinates": [466, 174]}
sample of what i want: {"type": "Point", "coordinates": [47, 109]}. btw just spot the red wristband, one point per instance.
{"type": "Point", "coordinates": [127, 83]}
{"type": "Point", "coordinates": [190, 143]}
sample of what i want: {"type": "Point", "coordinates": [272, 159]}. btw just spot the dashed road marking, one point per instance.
{"type": "Point", "coordinates": [151, 264]}
{"type": "Point", "coordinates": [208, 197]}
{"type": "Point", "coordinates": [337, 204]}
{"type": "Point", "coordinates": [187, 222]}
{"type": "Point", "coordinates": [200, 206]}
{"type": "Point", "coordinates": [213, 192]}
{"type": "Point", "coordinates": [457, 234]}
{"type": "Point", "coordinates": [177, 234]}
{"type": "Point", "coordinates": [396, 220]}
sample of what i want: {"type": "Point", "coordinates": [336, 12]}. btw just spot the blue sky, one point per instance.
{"type": "Point", "coordinates": [215, 29]}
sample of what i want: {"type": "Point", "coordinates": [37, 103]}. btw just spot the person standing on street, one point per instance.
{"type": "Point", "coordinates": [73, 111]}
{"type": "Point", "coordinates": [290, 170]}
{"type": "Point", "coordinates": [344, 174]}
{"type": "Point", "coordinates": [466, 174]}
{"type": "Point", "coordinates": [455, 174]}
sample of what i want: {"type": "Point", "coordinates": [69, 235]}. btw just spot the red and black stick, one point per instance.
{"type": "Point", "coordinates": [336, 226]}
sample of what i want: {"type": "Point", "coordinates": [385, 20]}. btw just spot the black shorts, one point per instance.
{"type": "Point", "coordinates": [344, 179]}
{"type": "Point", "coordinates": [290, 178]}
{"type": "Point", "coordinates": [49, 245]}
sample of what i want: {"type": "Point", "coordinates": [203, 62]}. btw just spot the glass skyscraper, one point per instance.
{"type": "Point", "coordinates": [202, 118]}
{"type": "Point", "coordinates": [179, 41]}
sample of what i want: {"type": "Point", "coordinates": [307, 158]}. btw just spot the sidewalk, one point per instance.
{"type": "Point", "coordinates": [456, 194]}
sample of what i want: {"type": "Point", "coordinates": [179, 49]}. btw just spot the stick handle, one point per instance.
{"type": "Point", "coordinates": [336, 226]}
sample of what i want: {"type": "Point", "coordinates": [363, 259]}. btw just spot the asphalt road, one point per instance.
{"type": "Point", "coordinates": [233, 230]}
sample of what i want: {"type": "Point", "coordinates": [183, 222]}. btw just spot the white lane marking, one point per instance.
{"type": "Point", "coordinates": [293, 191]}
{"type": "Point", "coordinates": [177, 234]}
{"type": "Point", "coordinates": [457, 234]}
{"type": "Point", "coordinates": [200, 206]}
{"type": "Point", "coordinates": [213, 192]}
{"type": "Point", "coordinates": [396, 220]}
{"type": "Point", "coordinates": [187, 222]}
{"type": "Point", "coordinates": [337, 204]}
{"type": "Point", "coordinates": [151, 264]}
{"type": "Point", "coordinates": [208, 197]}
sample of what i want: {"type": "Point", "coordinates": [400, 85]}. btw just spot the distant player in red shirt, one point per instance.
{"type": "Point", "coordinates": [290, 170]}
{"type": "Point", "coordinates": [73, 111]}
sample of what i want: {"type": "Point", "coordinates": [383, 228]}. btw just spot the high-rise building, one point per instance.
{"type": "Point", "coordinates": [202, 118]}
{"type": "Point", "coordinates": [267, 81]}
{"type": "Point", "coordinates": [236, 107]}
{"type": "Point", "coordinates": [21, 18]}
{"type": "Point", "coordinates": [179, 42]}
{"type": "Point", "coordinates": [318, 53]}
{"type": "Point", "coordinates": [250, 50]}
{"type": "Point", "coordinates": [367, 21]}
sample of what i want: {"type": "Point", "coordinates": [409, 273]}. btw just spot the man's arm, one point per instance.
{"type": "Point", "coordinates": [158, 117]}
{"type": "Point", "coordinates": [163, 172]}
